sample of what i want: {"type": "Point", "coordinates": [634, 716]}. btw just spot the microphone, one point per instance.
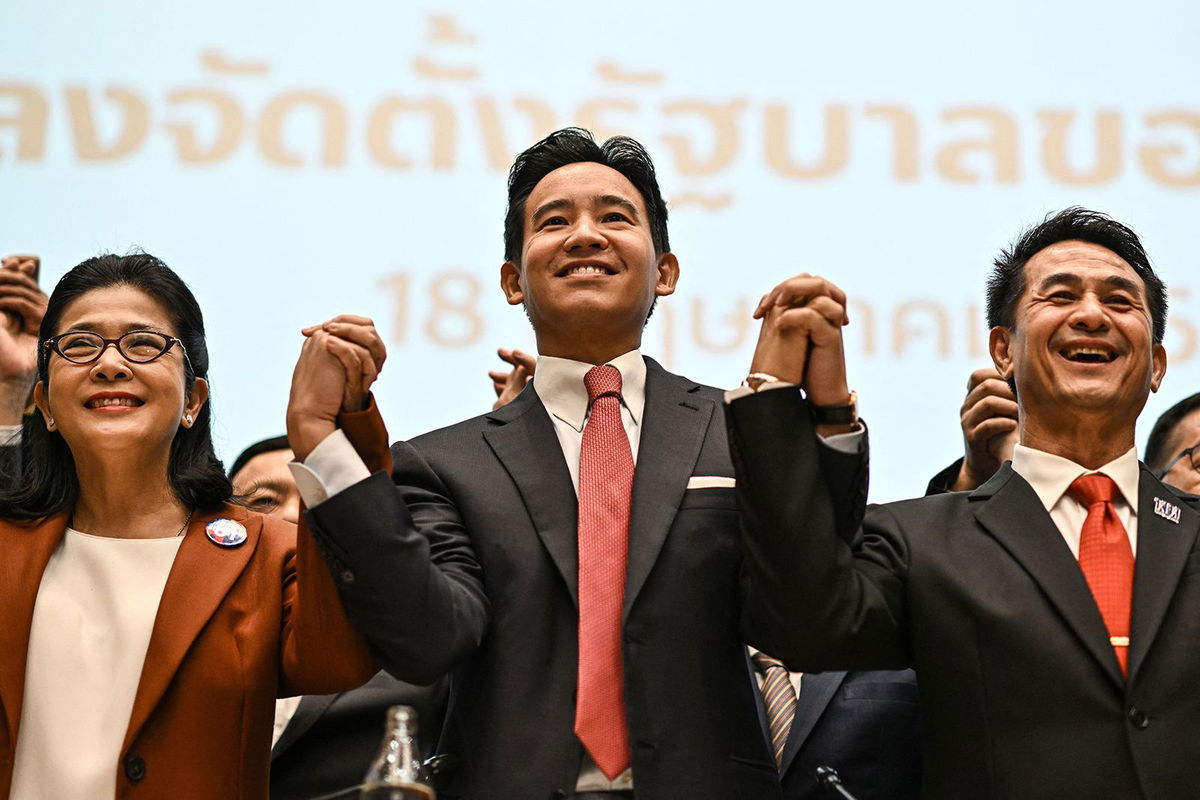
{"type": "Point", "coordinates": [828, 777]}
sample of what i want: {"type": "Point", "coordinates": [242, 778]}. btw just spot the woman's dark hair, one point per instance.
{"type": "Point", "coordinates": [48, 483]}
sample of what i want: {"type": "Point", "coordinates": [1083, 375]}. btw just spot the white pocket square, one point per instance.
{"type": "Point", "coordinates": [710, 482]}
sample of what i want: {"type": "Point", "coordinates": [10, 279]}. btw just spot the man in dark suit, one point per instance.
{"type": "Point", "coordinates": [862, 724]}
{"type": "Point", "coordinates": [613, 655]}
{"type": "Point", "coordinates": [1049, 666]}
{"type": "Point", "coordinates": [324, 743]}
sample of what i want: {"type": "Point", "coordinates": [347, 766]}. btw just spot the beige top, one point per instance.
{"type": "Point", "coordinates": [92, 621]}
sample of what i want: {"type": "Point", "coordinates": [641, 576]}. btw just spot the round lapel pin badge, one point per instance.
{"type": "Point", "coordinates": [225, 532]}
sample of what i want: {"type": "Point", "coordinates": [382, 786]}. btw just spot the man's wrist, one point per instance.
{"type": "Point", "coordinates": [306, 434]}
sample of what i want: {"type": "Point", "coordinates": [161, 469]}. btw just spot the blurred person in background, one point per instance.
{"type": "Point", "coordinates": [1173, 447]}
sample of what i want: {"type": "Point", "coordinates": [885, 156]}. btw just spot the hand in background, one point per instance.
{"type": "Point", "coordinates": [23, 304]}
{"type": "Point", "coordinates": [989, 426]}
{"type": "Point", "coordinates": [510, 384]}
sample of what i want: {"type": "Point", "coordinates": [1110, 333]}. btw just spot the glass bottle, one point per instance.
{"type": "Point", "coordinates": [396, 773]}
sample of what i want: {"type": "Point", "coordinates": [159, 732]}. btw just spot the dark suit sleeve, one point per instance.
{"type": "Point", "coordinates": [943, 482]}
{"type": "Point", "coordinates": [813, 600]}
{"type": "Point", "coordinates": [846, 476]}
{"type": "Point", "coordinates": [409, 579]}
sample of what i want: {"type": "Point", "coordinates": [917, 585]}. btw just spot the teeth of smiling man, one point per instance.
{"type": "Point", "coordinates": [1089, 353]}
{"type": "Point", "coordinates": [113, 401]}
{"type": "Point", "coordinates": [587, 270]}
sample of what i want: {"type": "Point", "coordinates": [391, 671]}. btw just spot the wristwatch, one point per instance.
{"type": "Point", "coordinates": [836, 415]}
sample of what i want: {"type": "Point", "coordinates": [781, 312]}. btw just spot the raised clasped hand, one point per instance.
{"type": "Point", "coordinates": [801, 337]}
{"type": "Point", "coordinates": [339, 361]}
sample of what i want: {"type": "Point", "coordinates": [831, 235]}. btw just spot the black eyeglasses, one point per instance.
{"type": "Point", "coordinates": [1192, 454]}
{"type": "Point", "coordinates": [140, 347]}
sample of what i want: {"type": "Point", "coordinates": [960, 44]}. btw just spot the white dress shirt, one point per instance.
{"type": "Point", "coordinates": [1051, 475]}
{"type": "Point", "coordinates": [91, 626]}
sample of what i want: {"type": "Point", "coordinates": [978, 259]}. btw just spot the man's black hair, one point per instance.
{"type": "Point", "coordinates": [257, 449]}
{"type": "Point", "coordinates": [1006, 284]}
{"type": "Point", "coordinates": [571, 146]}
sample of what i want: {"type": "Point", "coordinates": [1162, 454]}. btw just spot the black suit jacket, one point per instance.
{"type": "Point", "coordinates": [500, 482]}
{"type": "Point", "coordinates": [1021, 694]}
{"type": "Point", "coordinates": [864, 725]}
{"type": "Point", "coordinates": [331, 739]}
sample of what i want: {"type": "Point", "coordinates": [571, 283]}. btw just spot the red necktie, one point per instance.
{"type": "Point", "coordinates": [605, 489]}
{"type": "Point", "coordinates": [1106, 559]}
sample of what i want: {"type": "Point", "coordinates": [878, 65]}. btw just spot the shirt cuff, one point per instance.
{"type": "Point", "coordinates": [332, 467]}
{"type": "Point", "coordinates": [10, 435]}
{"type": "Point", "coordinates": [848, 443]}
{"type": "Point", "coordinates": [743, 391]}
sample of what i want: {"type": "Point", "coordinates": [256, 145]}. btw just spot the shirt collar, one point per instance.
{"type": "Point", "coordinates": [1051, 475]}
{"type": "Point", "coordinates": [559, 385]}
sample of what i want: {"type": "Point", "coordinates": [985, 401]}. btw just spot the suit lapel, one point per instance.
{"type": "Point", "coordinates": [200, 578]}
{"type": "Point", "coordinates": [308, 711]}
{"type": "Point", "coordinates": [1012, 513]}
{"type": "Point", "coordinates": [674, 422]}
{"type": "Point", "coordinates": [523, 439]}
{"type": "Point", "coordinates": [1163, 548]}
{"type": "Point", "coordinates": [27, 551]}
{"type": "Point", "coordinates": [816, 691]}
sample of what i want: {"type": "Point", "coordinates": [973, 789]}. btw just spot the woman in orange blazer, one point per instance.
{"type": "Point", "coordinates": [125, 570]}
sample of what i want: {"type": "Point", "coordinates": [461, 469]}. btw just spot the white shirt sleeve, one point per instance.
{"type": "Point", "coordinates": [333, 466]}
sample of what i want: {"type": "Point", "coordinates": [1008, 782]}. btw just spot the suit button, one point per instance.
{"type": "Point", "coordinates": [1138, 718]}
{"type": "Point", "coordinates": [135, 768]}
{"type": "Point", "coordinates": [347, 576]}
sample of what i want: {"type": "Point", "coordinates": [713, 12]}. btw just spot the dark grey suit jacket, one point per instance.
{"type": "Point", "coordinates": [1021, 694]}
{"type": "Point", "coordinates": [499, 482]}
{"type": "Point", "coordinates": [864, 725]}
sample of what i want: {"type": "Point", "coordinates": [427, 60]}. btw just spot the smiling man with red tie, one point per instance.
{"type": "Point", "coordinates": [1051, 614]}
{"type": "Point", "coordinates": [597, 514]}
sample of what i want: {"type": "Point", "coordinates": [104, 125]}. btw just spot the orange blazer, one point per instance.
{"type": "Point", "coordinates": [236, 628]}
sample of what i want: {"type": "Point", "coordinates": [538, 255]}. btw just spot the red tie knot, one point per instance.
{"type": "Point", "coordinates": [1092, 489]}
{"type": "Point", "coordinates": [602, 380]}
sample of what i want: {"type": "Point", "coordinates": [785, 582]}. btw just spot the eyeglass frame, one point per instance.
{"type": "Point", "coordinates": [51, 344]}
{"type": "Point", "coordinates": [1182, 455]}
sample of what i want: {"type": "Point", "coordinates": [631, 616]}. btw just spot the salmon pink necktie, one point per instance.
{"type": "Point", "coordinates": [605, 489]}
{"type": "Point", "coordinates": [1106, 559]}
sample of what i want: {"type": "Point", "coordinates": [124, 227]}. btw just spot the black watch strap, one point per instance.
{"type": "Point", "coordinates": [836, 415]}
